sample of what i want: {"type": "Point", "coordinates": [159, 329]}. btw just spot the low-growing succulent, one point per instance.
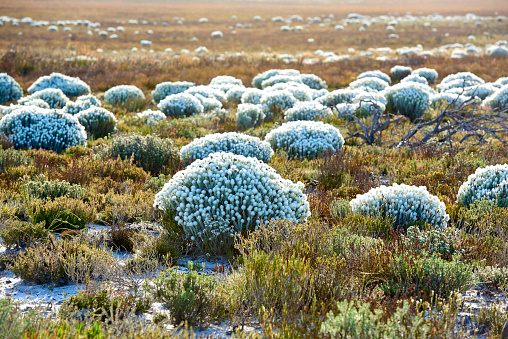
{"type": "Point", "coordinates": [232, 142]}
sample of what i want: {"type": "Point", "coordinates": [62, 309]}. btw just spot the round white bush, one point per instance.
{"type": "Point", "coordinates": [70, 86]}
{"type": "Point", "coordinates": [82, 103]}
{"type": "Point", "coordinates": [501, 82]}
{"type": "Point", "coordinates": [428, 73]}
{"type": "Point", "coordinates": [152, 118]}
{"type": "Point", "coordinates": [313, 81]}
{"type": "Point", "coordinates": [311, 110]}
{"type": "Point", "coordinates": [369, 83]}
{"type": "Point", "coordinates": [34, 102]}
{"type": "Point", "coordinates": [234, 94]}
{"type": "Point", "coordinates": [408, 205]}
{"type": "Point", "coordinates": [249, 115]}
{"type": "Point", "coordinates": [480, 91]}
{"type": "Point", "coordinates": [207, 91]}
{"type": "Point", "coordinates": [181, 104]}
{"type": "Point", "coordinates": [209, 103]}
{"type": "Point", "coordinates": [276, 101]}
{"type": "Point", "coordinates": [98, 122]}
{"type": "Point", "coordinates": [375, 74]}
{"type": "Point", "coordinates": [306, 139]}
{"type": "Point", "coordinates": [34, 127]}
{"type": "Point", "coordinates": [339, 96]}
{"type": "Point", "coordinates": [415, 78]}
{"type": "Point", "coordinates": [498, 99]}
{"type": "Point", "coordinates": [252, 96]}
{"type": "Point", "coordinates": [10, 90]}
{"type": "Point", "coordinates": [258, 79]}
{"type": "Point", "coordinates": [399, 72]}
{"type": "Point", "coordinates": [123, 94]}
{"type": "Point", "coordinates": [367, 103]}
{"type": "Point", "coordinates": [232, 142]}
{"type": "Point", "coordinates": [165, 89]}
{"type": "Point", "coordinates": [55, 98]}
{"type": "Point", "coordinates": [300, 91]}
{"type": "Point", "coordinates": [489, 183]}
{"type": "Point", "coordinates": [439, 100]}
{"type": "Point", "coordinates": [226, 79]}
{"type": "Point", "coordinates": [217, 34]}
{"type": "Point", "coordinates": [280, 78]}
{"type": "Point", "coordinates": [410, 99]}
{"type": "Point", "coordinates": [242, 191]}
{"type": "Point", "coordinates": [464, 76]}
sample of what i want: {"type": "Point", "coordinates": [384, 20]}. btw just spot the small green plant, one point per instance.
{"type": "Point", "coordinates": [62, 213]}
{"type": "Point", "coordinates": [340, 208]}
{"type": "Point", "coordinates": [16, 233]}
{"type": "Point", "coordinates": [155, 184]}
{"type": "Point", "coordinates": [52, 189]}
{"type": "Point", "coordinates": [188, 296]}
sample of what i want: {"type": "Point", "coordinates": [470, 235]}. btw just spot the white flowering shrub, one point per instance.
{"type": "Point", "coordinates": [82, 103]}
{"type": "Point", "coordinates": [311, 110]}
{"type": "Point", "coordinates": [249, 115]}
{"type": "Point", "coordinates": [368, 103]}
{"type": "Point", "coordinates": [123, 94]}
{"type": "Point", "coordinates": [410, 99]}
{"type": "Point", "coordinates": [369, 83]}
{"type": "Point", "coordinates": [34, 127]}
{"type": "Point", "coordinates": [277, 101]}
{"type": "Point", "coordinates": [498, 99]}
{"type": "Point", "coordinates": [208, 91]}
{"type": "Point", "coordinates": [226, 79]}
{"type": "Point", "coordinates": [407, 205]}
{"type": "Point", "coordinates": [346, 110]}
{"type": "Point", "coordinates": [501, 82]}
{"type": "Point", "coordinates": [209, 103]}
{"type": "Point", "coordinates": [480, 91]}
{"type": "Point", "coordinates": [242, 191]}
{"type": "Point", "coordinates": [252, 96]}
{"type": "Point", "coordinates": [306, 139]}
{"type": "Point", "coordinates": [375, 74]}
{"type": "Point", "coordinates": [231, 142]}
{"type": "Point", "coordinates": [151, 117]}
{"type": "Point", "coordinates": [181, 104]}
{"type": "Point", "coordinates": [428, 73]}
{"type": "Point", "coordinates": [339, 96]}
{"type": "Point", "coordinates": [435, 240]}
{"type": "Point", "coordinates": [464, 76]}
{"type": "Point", "coordinates": [70, 86]}
{"type": "Point", "coordinates": [456, 86]}
{"type": "Point", "coordinates": [399, 72]}
{"type": "Point", "coordinates": [313, 81]}
{"type": "Point", "coordinates": [10, 90]}
{"type": "Point", "coordinates": [488, 183]}
{"type": "Point", "coordinates": [442, 100]}
{"type": "Point", "coordinates": [300, 91]}
{"type": "Point", "coordinates": [55, 98]}
{"type": "Point", "coordinates": [234, 94]}
{"type": "Point", "coordinates": [224, 88]}
{"type": "Point", "coordinates": [415, 78]}
{"type": "Point", "coordinates": [165, 89]}
{"type": "Point", "coordinates": [318, 93]}
{"type": "Point", "coordinates": [34, 102]}
{"type": "Point", "coordinates": [98, 122]}
{"type": "Point", "coordinates": [281, 78]}
{"type": "Point", "coordinates": [258, 79]}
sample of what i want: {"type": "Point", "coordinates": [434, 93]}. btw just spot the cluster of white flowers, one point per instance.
{"type": "Point", "coordinates": [226, 79]}
{"type": "Point", "coordinates": [207, 92]}
{"type": "Point", "coordinates": [10, 90]}
{"type": "Point", "coordinates": [313, 81]}
{"type": "Point", "coordinates": [249, 115]}
{"type": "Point", "coordinates": [54, 97]}
{"type": "Point", "coordinates": [339, 96]}
{"type": "Point", "coordinates": [258, 79]}
{"type": "Point", "coordinates": [442, 100]}
{"type": "Point", "coordinates": [98, 122]}
{"type": "Point", "coordinates": [306, 139]}
{"type": "Point", "coordinates": [280, 79]}
{"type": "Point", "coordinates": [277, 101]}
{"type": "Point", "coordinates": [34, 102]}
{"type": "Point", "coordinates": [252, 96]}
{"type": "Point", "coordinates": [346, 110]}
{"type": "Point", "coordinates": [399, 72]}
{"type": "Point", "coordinates": [152, 118]}
{"type": "Point", "coordinates": [123, 94]}
{"type": "Point", "coordinates": [489, 183]}
{"type": "Point", "coordinates": [369, 84]}
{"type": "Point", "coordinates": [242, 191]}
{"type": "Point", "coordinates": [300, 91]}
{"type": "Point", "coordinates": [234, 94]}
{"type": "Point", "coordinates": [415, 78]}
{"type": "Point", "coordinates": [231, 142]}
{"type": "Point", "coordinates": [428, 73]}
{"type": "Point", "coordinates": [459, 80]}
{"type": "Point", "coordinates": [410, 99]}
{"type": "Point", "coordinates": [498, 99]}
{"type": "Point", "coordinates": [375, 74]}
{"type": "Point", "coordinates": [501, 82]}
{"type": "Point", "coordinates": [456, 86]}
{"type": "Point", "coordinates": [181, 104]}
{"type": "Point", "coordinates": [82, 103]}
{"type": "Point", "coordinates": [406, 204]}
{"type": "Point", "coordinates": [209, 103]}
{"type": "Point", "coordinates": [70, 86]}
{"type": "Point", "coordinates": [165, 89]}
{"type": "Point", "coordinates": [34, 127]}
{"type": "Point", "coordinates": [311, 110]}
{"type": "Point", "coordinates": [480, 91]}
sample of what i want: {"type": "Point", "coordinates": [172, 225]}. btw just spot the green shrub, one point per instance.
{"type": "Point", "coordinates": [492, 276]}
{"type": "Point", "coordinates": [155, 184]}
{"type": "Point", "coordinates": [15, 233]}
{"type": "Point", "coordinates": [349, 245]}
{"type": "Point", "coordinates": [188, 296]}
{"type": "Point", "coordinates": [62, 213]}
{"type": "Point", "coordinates": [54, 189]}
{"type": "Point", "coordinates": [340, 208]}
{"type": "Point", "coordinates": [153, 154]}
{"type": "Point", "coordinates": [410, 275]}
{"type": "Point", "coordinates": [13, 158]}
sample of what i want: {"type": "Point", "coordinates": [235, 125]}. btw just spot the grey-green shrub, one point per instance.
{"type": "Point", "coordinates": [167, 88]}
{"type": "Point", "coordinates": [98, 122]}
{"type": "Point", "coordinates": [410, 99]}
{"type": "Point", "coordinates": [53, 189]}
{"type": "Point", "coordinates": [10, 90]}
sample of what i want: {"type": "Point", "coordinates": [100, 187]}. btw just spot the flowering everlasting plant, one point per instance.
{"type": "Point", "coordinates": [70, 86]}
{"type": "Point", "coordinates": [488, 183]}
{"type": "Point", "coordinates": [10, 90]}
